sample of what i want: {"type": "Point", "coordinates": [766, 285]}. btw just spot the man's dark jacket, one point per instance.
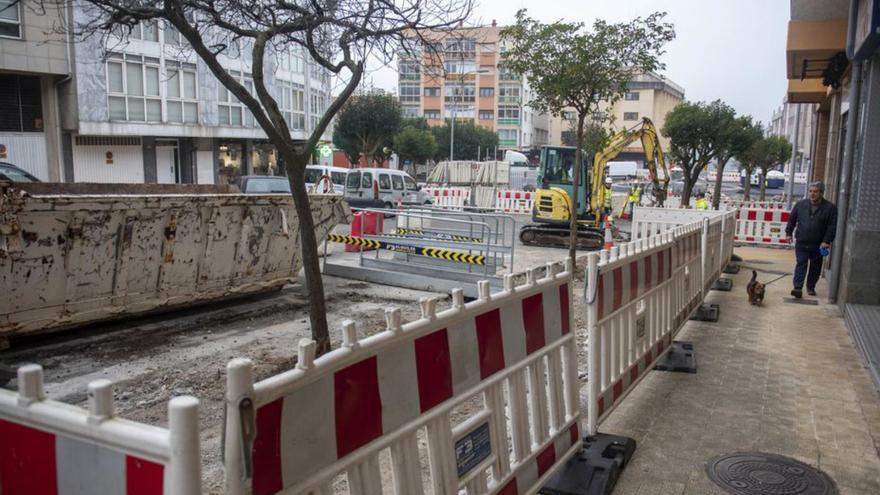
{"type": "Point", "coordinates": [813, 228]}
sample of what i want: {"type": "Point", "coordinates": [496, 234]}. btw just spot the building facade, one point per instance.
{"type": "Point", "coordinates": [648, 95]}
{"type": "Point", "coordinates": [145, 108]}
{"type": "Point", "coordinates": [788, 121]}
{"type": "Point", "coordinates": [34, 61]}
{"type": "Point", "coordinates": [462, 77]}
{"type": "Point", "coordinates": [834, 73]}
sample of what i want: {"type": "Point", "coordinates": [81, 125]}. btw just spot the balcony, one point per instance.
{"type": "Point", "coordinates": [508, 121]}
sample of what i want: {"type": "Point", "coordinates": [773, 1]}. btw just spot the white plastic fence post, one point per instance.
{"type": "Point", "coordinates": [100, 401]}
{"type": "Point", "coordinates": [429, 307]}
{"type": "Point", "coordinates": [483, 290]}
{"type": "Point", "coordinates": [593, 359]}
{"type": "Point", "coordinates": [457, 299]}
{"type": "Point", "coordinates": [186, 463]}
{"type": "Point", "coordinates": [508, 282]}
{"type": "Point", "coordinates": [240, 425]}
{"type": "Point", "coordinates": [392, 317]}
{"type": "Point", "coordinates": [30, 384]}
{"type": "Point", "coordinates": [704, 254]}
{"type": "Point", "coordinates": [349, 334]}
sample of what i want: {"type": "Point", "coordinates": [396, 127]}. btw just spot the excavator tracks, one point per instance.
{"type": "Point", "coordinates": [589, 238]}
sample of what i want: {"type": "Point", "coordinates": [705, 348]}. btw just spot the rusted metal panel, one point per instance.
{"type": "Point", "coordinates": [67, 259]}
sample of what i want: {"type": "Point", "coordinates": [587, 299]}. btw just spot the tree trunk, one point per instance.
{"type": "Point", "coordinates": [716, 197]}
{"type": "Point", "coordinates": [747, 186]}
{"type": "Point", "coordinates": [763, 185]}
{"type": "Point", "coordinates": [686, 190]}
{"type": "Point", "coordinates": [575, 182]}
{"type": "Point", "coordinates": [309, 246]}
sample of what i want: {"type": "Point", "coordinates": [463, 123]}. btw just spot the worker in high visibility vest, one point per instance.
{"type": "Point", "coordinates": [607, 202]}
{"type": "Point", "coordinates": [635, 197]}
{"type": "Point", "coordinates": [702, 204]}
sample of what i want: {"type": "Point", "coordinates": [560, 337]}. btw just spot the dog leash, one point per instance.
{"type": "Point", "coordinates": [775, 279]}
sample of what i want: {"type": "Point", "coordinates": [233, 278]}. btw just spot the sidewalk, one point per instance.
{"type": "Point", "coordinates": [783, 378]}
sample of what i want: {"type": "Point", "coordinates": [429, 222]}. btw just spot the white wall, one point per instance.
{"type": "Point", "coordinates": [27, 151]}
{"type": "Point", "coordinates": [90, 164]}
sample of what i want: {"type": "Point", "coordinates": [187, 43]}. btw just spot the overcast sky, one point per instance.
{"type": "Point", "coordinates": [728, 49]}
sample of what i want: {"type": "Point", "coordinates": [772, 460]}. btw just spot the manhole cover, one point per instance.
{"type": "Point", "coordinates": [768, 474]}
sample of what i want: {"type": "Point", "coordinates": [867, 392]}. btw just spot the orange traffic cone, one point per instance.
{"type": "Point", "coordinates": [609, 240]}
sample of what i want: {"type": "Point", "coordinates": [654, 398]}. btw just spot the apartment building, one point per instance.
{"type": "Point", "coordinates": [648, 95]}
{"type": "Point", "coordinates": [792, 119]}
{"type": "Point", "coordinates": [462, 77]}
{"type": "Point", "coordinates": [144, 108]}
{"type": "Point", "coordinates": [33, 62]}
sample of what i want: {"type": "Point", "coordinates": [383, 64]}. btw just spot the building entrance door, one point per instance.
{"type": "Point", "coordinates": [167, 162]}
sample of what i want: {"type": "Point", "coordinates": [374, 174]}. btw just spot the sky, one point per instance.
{"type": "Point", "coordinates": [733, 50]}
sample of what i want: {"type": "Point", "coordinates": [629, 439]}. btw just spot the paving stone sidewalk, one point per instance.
{"type": "Point", "coordinates": [783, 378]}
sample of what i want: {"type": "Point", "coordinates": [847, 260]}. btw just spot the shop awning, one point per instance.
{"type": "Point", "coordinates": [811, 46]}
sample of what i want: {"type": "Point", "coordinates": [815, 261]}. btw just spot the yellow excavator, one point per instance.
{"type": "Point", "coordinates": [553, 203]}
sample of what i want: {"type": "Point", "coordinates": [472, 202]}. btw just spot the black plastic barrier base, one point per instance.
{"type": "Point", "coordinates": [732, 268]}
{"type": "Point", "coordinates": [723, 284]}
{"type": "Point", "coordinates": [595, 470]}
{"type": "Point", "coordinates": [680, 358]}
{"type": "Point", "coordinates": [707, 312]}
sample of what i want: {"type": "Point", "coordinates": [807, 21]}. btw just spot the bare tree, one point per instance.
{"type": "Point", "coordinates": [338, 35]}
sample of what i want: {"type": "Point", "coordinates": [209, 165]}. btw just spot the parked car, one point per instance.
{"type": "Point", "coordinates": [382, 188]}
{"type": "Point", "coordinates": [336, 174]}
{"type": "Point", "coordinates": [12, 173]}
{"type": "Point", "coordinates": [263, 184]}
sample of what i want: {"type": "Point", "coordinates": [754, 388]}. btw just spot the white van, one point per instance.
{"type": "Point", "coordinates": [336, 174]}
{"type": "Point", "coordinates": [382, 188]}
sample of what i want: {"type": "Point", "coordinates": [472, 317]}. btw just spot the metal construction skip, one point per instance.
{"type": "Point", "coordinates": [70, 259]}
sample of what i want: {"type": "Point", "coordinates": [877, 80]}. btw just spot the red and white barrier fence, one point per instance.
{"type": "Point", "coordinates": [334, 417]}
{"type": "Point", "coordinates": [512, 201]}
{"type": "Point", "coordinates": [453, 198]}
{"type": "Point", "coordinates": [639, 295]}
{"type": "Point", "coordinates": [754, 205]}
{"type": "Point", "coordinates": [761, 226]}
{"type": "Point", "coordinates": [48, 447]}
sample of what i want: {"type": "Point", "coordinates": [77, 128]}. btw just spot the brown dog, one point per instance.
{"type": "Point", "coordinates": [755, 290]}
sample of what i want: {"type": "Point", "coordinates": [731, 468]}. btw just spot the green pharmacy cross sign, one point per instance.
{"type": "Point", "coordinates": [325, 151]}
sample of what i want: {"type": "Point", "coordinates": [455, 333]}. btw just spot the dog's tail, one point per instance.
{"type": "Point", "coordinates": [754, 275]}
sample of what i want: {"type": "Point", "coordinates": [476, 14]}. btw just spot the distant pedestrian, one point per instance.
{"type": "Point", "coordinates": [607, 199]}
{"type": "Point", "coordinates": [815, 219]}
{"type": "Point", "coordinates": [702, 203]}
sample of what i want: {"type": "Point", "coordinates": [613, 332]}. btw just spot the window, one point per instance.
{"type": "Point", "coordinates": [630, 115]}
{"type": "Point", "coordinates": [460, 47]}
{"type": "Point", "coordinates": [410, 183]}
{"type": "Point", "coordinates": [292, 101]}
{"type": "Point", "coordinates": [133, 88]}
{"type": "Point", "coordinates": [367, 180]}
{"type": "Point", "coordinates": [10, 18]}
{"type": "Point", "coordinates": [488, 47]}
{"type": "Point", "coordinates": [182, 103]}
{"type": "Point", "coordinates": [487, 115]}
{"type": "Point", "coordinates": [508, 137]}
{"type": "Point", "coordinates": [397, 182]}
{"type": "Point", "coordinates": [508, 94]}
{"type": "Point", "coordinates": [409, 70]}
{"type": "Point", "coordinates": [409, 111]}
{"type": "Point", "coordinates": [384, 182]}
{"type": "Point", "coordinates": [432, 114]}
{"type": "Point", "coordinates": [409, 94]}
{"type": "Point", "coordinates": [460, 66]}
{"type": "Point", "coordinates": [352, 180]}
{"type": "Point", "coordinates": [432, 91]}
{"type": "Point", "coordinates": [505, 74]}
{"type": "Point", "coordinates": [231, 111]}
{"type": "Point", "coordinates": [457, 92]}
{"type": "Point", "coordinates": [487, 92]}
{"type": "Point", "coordinates": [172, 35]}
{"type": "Point", "coordinates": [632, 96]}
{"type": "Point", "coordinates": [21, 107]}
{"type": "Point", "coordinates": [509, 113]}
{"type": "Point", "coordinates": [318, 102]}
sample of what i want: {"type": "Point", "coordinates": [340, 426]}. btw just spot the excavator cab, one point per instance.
{"type": "Point", "coordinates": [555, 179]}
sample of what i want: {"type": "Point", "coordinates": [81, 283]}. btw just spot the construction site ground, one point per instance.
{"type": "Point", "coordinates": [781, 378]}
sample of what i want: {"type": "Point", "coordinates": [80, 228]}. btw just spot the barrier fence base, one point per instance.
{"type": "Point", "coordinates": [723, 284]}
{"type": "Point", "coordinates": [680, 358]}
{"type": "Point", "coordinates": [595, 470]}
{"type": "Point", "coordinates": [707, 312]}
{"type": "Point", "coordinates": [732, 268]}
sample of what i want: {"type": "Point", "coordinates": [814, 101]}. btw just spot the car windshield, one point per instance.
{"type": "Point", "coordinates": [267, 185]}
{"type": "Point", "coordinates": [15, 175]}
{"type": "Point", "coordinates": [313, 174]}
{"type": "Point", "coordinates": [338, 178]}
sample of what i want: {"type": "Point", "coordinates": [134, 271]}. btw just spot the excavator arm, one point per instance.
{"type": "Point", "coordinates": [647, 133]}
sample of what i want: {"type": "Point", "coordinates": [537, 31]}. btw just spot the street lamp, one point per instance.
{"type": "Point", "coordinates": [455, 109]}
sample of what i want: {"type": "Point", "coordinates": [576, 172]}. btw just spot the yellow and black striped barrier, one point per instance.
{"type": "Point", "coordinates": [443, 254]}
{"type": "Point", "coordinates": [437, 235]}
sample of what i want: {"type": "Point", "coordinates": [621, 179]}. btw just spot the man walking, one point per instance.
{"type": "Point", "coordinates": [816, 220]}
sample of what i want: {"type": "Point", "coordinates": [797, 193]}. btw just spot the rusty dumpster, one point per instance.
{"type": "Point", "coordinates": [74, 258]}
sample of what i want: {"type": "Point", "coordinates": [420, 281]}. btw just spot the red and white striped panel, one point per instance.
{"type": "Point", "coordinates": [514, 201]}
{"type": "Point", "coordinates": [346, 407]}
{"type": "Point", "coordinates": [762, 226]}
{"type": "Point", "coordinates": [628, 282]}
{"type": "Point", "coordinates": [527, 476]}
{"type": "Point", "coordinates": [34, 461]}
